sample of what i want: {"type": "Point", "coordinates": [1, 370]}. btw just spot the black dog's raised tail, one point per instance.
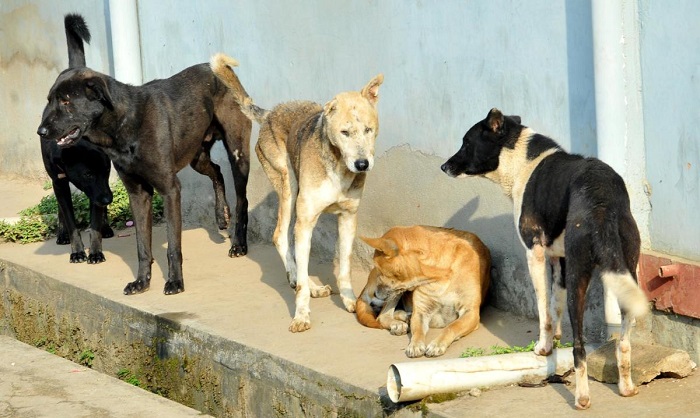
{"type": "Point", "coordinates": [222, 65]}
{"type": "Point", "coordinates": [76, 32]}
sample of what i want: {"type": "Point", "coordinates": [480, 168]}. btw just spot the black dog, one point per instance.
{"type": "Point", "coordinates": [87, 167]}
{"type": "Point", "coordinates": [150, 133]}
{"type": "Point", "coordinates": [566, 206]}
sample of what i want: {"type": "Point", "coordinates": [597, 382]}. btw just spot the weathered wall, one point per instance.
{"type": "Point", "coordinates": [445, 64]}
{"type": "Point", "coordinates": [32, 53]}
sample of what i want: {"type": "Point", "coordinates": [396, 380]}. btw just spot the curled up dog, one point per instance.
{"type": "Point", "coordinates": [317, 159]}
{"type": "Point", "coordinates": [566, 207]}
{"type": "Point", "coordinates": [446, 273]}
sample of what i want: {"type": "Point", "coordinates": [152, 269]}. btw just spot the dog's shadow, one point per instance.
{"type": "Point", "coordinates": [321, 260]}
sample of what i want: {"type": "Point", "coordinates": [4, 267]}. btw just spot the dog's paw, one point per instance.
{"type": "Point", "coordinates": [62, 238]}
{"type": "Point", "coordinates": [583, 402]}
{"type": "Point", "coordinates": [320, 291]}
{"type": "Point", "coordinates": [173, 287]}
{"type": "Point", "coordinates": [78, 257]}
{"type": "Point", "coordinates": [107, 232]}
{"type": "Point", "coordinates": [238, 250]}
{"type": "Point", "coordinates": [543, 347]}
{"type": "Point", "coordinates": [96, 257]}
{"type": "Point", "coordinates": [398, 328]}
{"type": "Point", "coordinates": [300, 324]}
{"type": "Point", "coordinates": [434, 349]}
{"type": "Point", "coordinates": [415, 349]}
{"type": "Point", "coordinates": [349, 303]}
{"type": "Point", "coordinates": [137, 286]}
{"type": "Point", "coordinates": [627, 389]}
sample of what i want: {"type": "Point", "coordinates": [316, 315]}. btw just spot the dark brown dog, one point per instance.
{"type": "Point", "coordinates": [85, 165]}
{"type": "Point", "coordinates": [151, 132]}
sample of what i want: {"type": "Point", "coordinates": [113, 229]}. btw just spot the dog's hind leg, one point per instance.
{"type": "Point", "coordinates": [238, 147]}
{"type": "Point", "coordinates": [279, 173]}
{"type": "Point", "coordinates": [466, 323]}
{"type": "Point", "coordinates": [203, 164]}
{"type": "Point", "coordinates": [537, 265]}
{"type": "Point", "coordinates": [578, 272]}
{"type": "Point", "coordinates": [347, 225]}
{"type": "Point", "coordinates": [633, 304]}
{"type": "Point", "coordinates": [558, 293]}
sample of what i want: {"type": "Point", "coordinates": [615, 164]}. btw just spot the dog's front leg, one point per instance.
{"type": "Point", "coordinates": [140, 197]}
{"type": "Point", "coordinates": [537, 264]}
{"type": "Point", "coordinates": [97, 219]}
{"type": "Point", "coordinates": [173, 215]}
{"type": "Point", "coordinates": [347, 225]}
{"type": "Point", "coordinates": [303, 228]}
{"type": "Point", "coordinates": [419, 328]}
{"type": "Point", "coordinates": [69, 232]}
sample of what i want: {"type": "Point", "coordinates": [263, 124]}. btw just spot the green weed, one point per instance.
{"type": "Point", "coordinates": [86, 358]}
{"type": "Point", "coordinates": [128, 377]}
{"type": "Point", "coordinates": [39, 222]}
{"type": "Point", "coordinates": [497, 349]}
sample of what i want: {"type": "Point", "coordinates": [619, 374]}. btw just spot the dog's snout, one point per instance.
{"type": "Point", "coordinates": [42, 131]}
{"type": "Point", "coordinates": [104, 199]}
{"type": "Point", "coordinates": [445, 168]}
{"type": "Point", "coordinates": [362, 165]}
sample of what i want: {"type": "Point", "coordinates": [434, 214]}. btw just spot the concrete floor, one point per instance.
{"type": "Point", "coordinates": [248, 300]}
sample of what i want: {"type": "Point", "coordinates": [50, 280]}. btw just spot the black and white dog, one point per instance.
{"type": "Point", "coordinates": [566, 207]}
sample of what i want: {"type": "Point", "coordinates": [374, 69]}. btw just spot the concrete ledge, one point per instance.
{"type": "Point", "coordinates": [223, 348]}
{"type": "Point", "coordinates": [181, 362]}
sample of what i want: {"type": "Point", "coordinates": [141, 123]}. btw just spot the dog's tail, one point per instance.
{"type": "Point", "coordinates": [629, 296]}
{"type": "Point", "coordinates": [222, 65]}
{"type": "Point", "coordinates": [365, 314]}
{"type": "Point", "coordinates": [76, 32]}
{"type": "Point", "coordinates": [617, 252]}
{"type": "Point", "coordinates": [363, 309]}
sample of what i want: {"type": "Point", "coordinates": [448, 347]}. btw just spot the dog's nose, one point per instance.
{"type": "Point", "coordinates": [42, 131]}
{"type": "Point", "coordinates": [444, 167]}
{"type": "Point", "coordinates": [104, 200]}
{"type": "Point", "coordinates": [361, 165]}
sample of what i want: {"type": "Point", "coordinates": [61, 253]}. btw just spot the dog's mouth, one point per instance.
{"type": "Point", "coordinates": [70, 138]}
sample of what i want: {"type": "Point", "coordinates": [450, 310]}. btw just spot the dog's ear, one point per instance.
{"type": "Point", "coordinates": [516, 119]}
{"type": "Point", "coordinates": [96, 89]}
{"type": "Point", "coordinates": [371, 90]}
{"type": "Point", "coordinates": [329, 107]}
{"type": "Point", "coordinates": [495, 120]}
{"type": "Point", "coordinates": [385, 245]}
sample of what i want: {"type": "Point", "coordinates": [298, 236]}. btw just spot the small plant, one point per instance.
{"type": "Point", "coordinates": [27, 229]}
{"type": "Point", "coordinates": [497, 349]}
{"type": "Point", "coordinates": [128, 377]}
{"type": "Point", "coordinates": [86, 358]}
{"type": "Point", "coordinates": [39, 222]}
{"type": "Point", "coordinates": [473, 352]}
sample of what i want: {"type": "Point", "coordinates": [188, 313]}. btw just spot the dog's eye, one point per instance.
{"type": "Point", "coordinates": [64, 102]}
{"type": "Point", "coordinates": [368, 130]}
{"type": "Point", "coordinates": [345, 132]}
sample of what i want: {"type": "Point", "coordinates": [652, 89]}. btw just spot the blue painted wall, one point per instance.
{"type": "Point", "coordinates": [446, 63]}
{"type": "Point", "coordinates": [670, 59]}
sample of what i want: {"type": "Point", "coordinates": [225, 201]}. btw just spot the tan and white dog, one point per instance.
{"type": "Point", "coordinates": [317, 158]}
{"type": "Point", "coordinates": [448, 272]}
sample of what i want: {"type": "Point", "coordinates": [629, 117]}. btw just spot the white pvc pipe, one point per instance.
{"type": "Point", "coordinates": [415, 380]}
{"type": "Point", "coordinates": [126, 45]}
{"type": "Point", "coordinates": [611, 107]}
